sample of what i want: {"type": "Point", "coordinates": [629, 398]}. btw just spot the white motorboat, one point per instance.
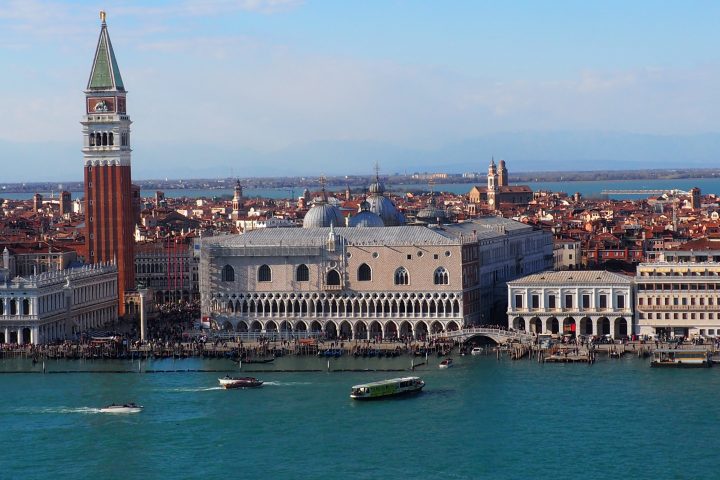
{"type": "Point", "coordinates": [476, 351]}
{"type": "Point", "coordinates": [239, 382]}
{"type": "Point", "coordinates": [447, 363]}
{"type": "Point", "coordinates": [125, 408]}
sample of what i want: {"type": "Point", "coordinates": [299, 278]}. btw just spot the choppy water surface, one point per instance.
{"type": "Point", "coordinates": [481, 419]}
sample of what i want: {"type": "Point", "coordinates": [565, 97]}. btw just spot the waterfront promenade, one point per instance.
{"type": "Point", "coordinates": [261, 348]}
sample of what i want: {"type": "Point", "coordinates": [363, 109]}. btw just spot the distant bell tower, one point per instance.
{"type": "Point", "coordinates": [237, 198]}
{"type": "Point", "coordinates": [109, 219]}
{"type": "Point", "coordinates": [502, 174]}
{"type": "Point", "coordinates": [492, 183]}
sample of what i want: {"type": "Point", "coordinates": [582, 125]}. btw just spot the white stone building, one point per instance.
{"type": "Point", "coordinates": [366, 282]}
{"type": "Point", "coordinates": [358, 283]}
{"type": "Point", "coordinates": [57, 305]}
{"type": "Point", "coordinates": [572, 302]}
{"type": "Point", "coordinates": [678, 299]}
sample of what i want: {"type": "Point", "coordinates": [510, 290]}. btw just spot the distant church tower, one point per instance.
{"type": "Point", "coordinates": [492, 183]}
{"type": "Point", "coordinates": [109, 219]}
{"type": "Point", "coordinates": [237, 198]}
{"type": "Point", "coordinates": [502, 174]}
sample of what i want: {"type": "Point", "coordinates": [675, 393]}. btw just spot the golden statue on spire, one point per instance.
{"type": "Point", "coordinates": [102, 16]}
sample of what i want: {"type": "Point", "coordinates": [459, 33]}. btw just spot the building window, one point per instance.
{"type": "Point", "coordinates": [603, 301]}
{"type": "Point", "coordinates": [401, 276]}
{"type": "Point", "coordinates": [228, 274]}
{"type": "Point", "coordinates": [568, 301]}
{"type": "Point", "coordinates": [364, 273]}
{"type": "Point", "coordinates": [302, 274]}
{"type": "Point", "coordinates": [536, 301]}
{"type": "Point", "coordinates": [518, 301]}
{"type": "Point", "coordinates": [441, 276]}
{"type": "Point", "coordinates": [621, 301]}
{"type": "Point", "coordinates": [551, 301]}
{"type": "Point", "coordinates": [586, 301]}
{"type": "Point", "coordinates": [333, 277]}
{"type": "Point", "coordinates": [264, 274]}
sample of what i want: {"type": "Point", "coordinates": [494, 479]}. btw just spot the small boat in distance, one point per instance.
{"type": "Point", "coordinates": [239, 382]}
{"type": "Point", "coordinates": [447, 363]}
{"type": "Point", "coordinates": [387, 388]}
{"type": "Point", "coordinates": [125, 408]}
{"type": "Point", "coordinates": [259, 360]}
{"type": "Point", "coordinates": [476, 351]}
{"type": "Point", "coordinates": [681, 358]}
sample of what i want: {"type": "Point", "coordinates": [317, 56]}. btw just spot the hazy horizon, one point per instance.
{"type": "Point", "coordinates": [253, 87]}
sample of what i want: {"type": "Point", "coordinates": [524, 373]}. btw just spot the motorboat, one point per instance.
{"type": "Point", "coordinates": [125, 408]}
{"type": "Point", "coordinates": [239, 382]}
{"type": "Point", "coordinates": [447, 363]}
{"type": "Point", "coordinates": [476, 351]}
{"type": "Point", "coordinates": [387, 388]}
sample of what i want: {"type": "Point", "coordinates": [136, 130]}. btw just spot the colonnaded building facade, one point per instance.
{"type": "Point", "coordinates": [56, 305]}
{"type": "Point", "coordinates": [366, 282]}
{"type": "Point", "coordinates": [591, 302]}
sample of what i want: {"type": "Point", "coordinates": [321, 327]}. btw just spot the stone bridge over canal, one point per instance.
{"type": "Point", "coordinates": [495, 334]}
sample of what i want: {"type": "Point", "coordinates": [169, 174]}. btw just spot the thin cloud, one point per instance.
{"type": "Point", "coordinates": [211, 7]}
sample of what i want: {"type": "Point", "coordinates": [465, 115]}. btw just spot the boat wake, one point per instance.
{"type": "Point", "coordinates": [193, 389]}
{"type": "Point", "coordinates": [56, 410]}
{"type": "Point", "coordinates": [286, 384]}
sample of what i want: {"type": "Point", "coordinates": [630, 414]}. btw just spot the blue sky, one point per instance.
{"type": "Point", "coordinates": [263, 87]}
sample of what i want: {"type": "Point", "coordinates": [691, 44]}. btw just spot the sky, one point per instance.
{"type": "Point", "coordinates": [247, 88]}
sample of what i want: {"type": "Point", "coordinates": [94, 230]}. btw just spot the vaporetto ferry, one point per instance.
{"type": "Point", "coordinates": [683, 358]}
{"type": "Point", "coordinates": [387, 388]}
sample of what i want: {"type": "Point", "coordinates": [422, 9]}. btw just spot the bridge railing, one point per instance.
{"type": "Point", "coordinates": [492, 332]}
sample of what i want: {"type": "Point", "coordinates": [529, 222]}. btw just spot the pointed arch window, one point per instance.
{"type": "Point", "coordinates": [264, 274]}
{"type": "Point", "coordinates": [401, 276]}
{"type": "Point", "coordinates": [333, 277]}
{"type": "Point", "coordinates": [302, 274]}
{"type": "Point", "coordinates": [228, 274]}
{"type": "Point", "coordinates": [441, 276]}
{"type": "Point", "coordinates": [110, 139]}
{"type": "Point", "coordinates": [364, 273]}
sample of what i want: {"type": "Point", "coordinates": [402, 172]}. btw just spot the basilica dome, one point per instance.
{"type": "Point", "coordinates": [366, 218]}
{"type": "Point", "coordinates": [383, 207]}
{"type": "Point", "coordinates": [323, 215]}
{"type": "Point", "coordinates": [431, 214]}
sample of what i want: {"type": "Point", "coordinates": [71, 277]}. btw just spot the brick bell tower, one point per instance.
{"type": "Point", "coordinates": [109, 220]}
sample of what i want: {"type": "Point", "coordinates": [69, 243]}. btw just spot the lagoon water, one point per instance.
{"type": "Point", "coordinates": [483, 418]}
{"type": "Point", "coordinates": [590, 189]}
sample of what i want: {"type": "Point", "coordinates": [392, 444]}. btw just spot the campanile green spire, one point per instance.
{"type": "Point", "coordinates": [105, 74]}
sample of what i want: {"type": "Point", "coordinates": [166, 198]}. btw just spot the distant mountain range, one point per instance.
{"type": "Point", "coordinates": [523, 152]}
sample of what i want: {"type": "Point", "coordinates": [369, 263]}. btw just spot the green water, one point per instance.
{"type": "Point", "coordinates": [481, 419]}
